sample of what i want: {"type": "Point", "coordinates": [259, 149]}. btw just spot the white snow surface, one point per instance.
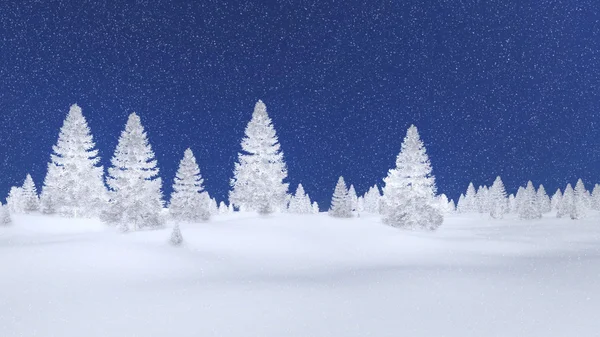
{"type": "Point", "coordinates": [301, 275]}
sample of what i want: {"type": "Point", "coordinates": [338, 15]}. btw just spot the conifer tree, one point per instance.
{"type": "Point", "coordinates": [300, 202]}
{"type": "Point", "coordinates": [360, 205]}
{"type": "Point", "coordinates": [595, 198]}
{"type": "Point", "coordinates": [341, 205]}
{"type": "Point", "coordinates": [189, 201]}
{"type": "Point", "coordinates": [258, 182]}
{"type": "Point", "coordinates": [15, 200]}
{"type": "Point", "coordinates": [5, 218]}
{"type": "Point", "coordinates": [372, 198]}
{"type": "Point", "coordinates": [223, 208]}
{"type": "Point", "coordinates": [409, 194]}
{"type": "Point", "coordinates": [543, 200]}
{"type": "Point", "coordinates": [497, 199]}
{"type": "Point", "coordinates": [469, 203]}
{"type": "Point", "coordinates": [565, 205]}
{"type": "Point", "coordinates": [529, 208]}
{"type": "Point", "coordinates": [31, 202]}
{"type": "Point", "coordinates": [230, 209]}
{"type": "Point", "coordinates": [135, 187]}
{"type": "Point", "coordinates": [74, 183]}
{"type": "Point", "coordinates": [579, 209]}
{"type": "Point", "coordinates": [555, 200]}
{"type": "Point", "coordinates": [315, 207]}
{"type": "Point", "coordinates": [512, 204]}
{"type": "Point", "coordinates": [213, 206]}
{"type": "Point", "coordinates": [353, 197]}
{"type": "Point", "coordinates": [176, 237]}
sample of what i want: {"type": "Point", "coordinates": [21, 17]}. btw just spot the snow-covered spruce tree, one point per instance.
{"type": "Point", "coordinates": [260, 171]}
{"type": "Point", "coordinates": [595, 198]}
{"type": "Point", "coordinates": [445, 206]}
{"type": "Point", "coordinates": [74, 183]}
{"type": "Point", "coordinates": [15, 201]}
{"type": "Point", "coordinates": [5, 218]}
{"type": "Point", "coordinates": [31, 201]}
{"type": "Point", "coordinates": [341, 205]}
{"type": "Point", "coordinates": [315, 207]}
{"type": "Point", "coordinates": [176, 237]}
{"type": "Point", "coordinates": [353, 197]}
{"type": "Point", "coordinates": [300, 202]}
{"type": "Point", "coordinates": [469, 203]}
{"type": "Point", "coordinates": [529, 208]}
{"type": "Point", "coordinates": [409, 194]}
{"type": "Point", "coordinates": [372, 198]}
{"type": "Point", "coordinates": [497, 199]}
{"type": "Point", "coordinates": [360, 205]}
{"type": "Point", "coordinates": [519, 198]}
{"type": "Point", "coordinates": [555, 200]}
{"type": "Point", "coordinates": [483, 200]}
{"type": "Point", "coordinates": [543, 200]}
{"type": "Point", "coordinates": [189, 201]}
{"type": "Point", "coordinates": [565, 205]}
{"type": "Point", "coordinates": [135, 187]}
{"type": "Point", "coordinates": [512, 204]}
{"type": "Point", "coordinates": [579, 209]}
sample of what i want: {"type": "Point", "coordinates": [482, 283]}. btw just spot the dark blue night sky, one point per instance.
{"type": "Point", "coordinates": [508, 88]}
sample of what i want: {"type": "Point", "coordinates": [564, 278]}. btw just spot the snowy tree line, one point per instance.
{"type": "Point", "coordinates": [130, 196]}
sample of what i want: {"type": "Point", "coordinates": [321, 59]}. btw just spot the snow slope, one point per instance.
{"type": "Point", "coordinates": [301, 275]}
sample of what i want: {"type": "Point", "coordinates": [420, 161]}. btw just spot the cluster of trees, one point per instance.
{"type": "Point", "coordinates": [529, 202]}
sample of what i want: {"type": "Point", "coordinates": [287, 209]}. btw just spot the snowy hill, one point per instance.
{"type": "Point", "coordinates": [301, 275]}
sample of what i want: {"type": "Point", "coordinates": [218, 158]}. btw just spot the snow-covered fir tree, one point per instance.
{"type": "Point", "coordinates": [15, 201]}
{"type": "Point", "coordinates": [176, 237]}
{"type": "Point", "coordinates": [189, 201]}
{"type": "Point", "coordinates": [353, 198]}
{"type": "Point", "coordinates": [408, 199]}
{"type": "Point", "coordinates": [5, 218]}
{"type": "Point", "coordinates": [529, 207]}
{"type": "Point", "coordinates": [360, 205]}
{"type": "Point", "coordinates": [483, 199]}
{"type": "Point", "coordinates": [31, 201]}
{"type": "Point", "coordinates": [446, 206]}
{"type": "Point", "coordinates": [315, 208]}
{"type": "Point", "coordinates": [497, 199]}
{"type": "Point", "coordinates": [543, 200]}
{"type": "Point", "coordinates": [135, 187]}
{"type": "Point", "coordinates": [341, 205]}
{"type": "Point", "coordinates": [555, 200]}
{"type": "Point", "coordinates": [300, 202]}
{"type": "Point", "coordinates": [512, 204]}
{"type": "Point", "coordinates": [258, 182]}
{"type": "Point", "coordinates": [519, 198]}
{"type": "Point", "coordinates": [74, 183]}
{"type": "Point", "coordinates": [595, 198]}
{"type": "Point", "coordinates": [372, 198]}
{"type": "Point", "coordinates": [469, 202]}
{"type": "Point", "coordinates": [579, 208]}
{"type": "Point", "coordinates": [565, 205]}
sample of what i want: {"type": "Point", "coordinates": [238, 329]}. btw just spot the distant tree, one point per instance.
{"type": "Point", "coordinates": [189, 201]}
{"type": "Point", "coordinates": [372, 199]}
{"type": "Point", "coordinates": [445, 206]}
{"type": "Point", "coordinates": [74, 184]}
{"type": "Point", "coordinates": [580, 195]}
{"type": "Point", "coordinates": [5, 218]}
{"type": "Point", "coordinates": [409, 194]}
{"type": "Point", "coordinates": [353, 198]}
{"type": "Point", "coordinates": [31, 202]}
{"type": "Point", "coordinates": [315, 207]}
{"type": "Point", "coordinates": [543, 200]}
{"type": "Point", "coordinates": [469, 203]}
{"type": "Point", "coordinates": [135, 187]}
{"type": "Point", "coordinates": [230, 209]}
{"type": "Point", "coordinates": [300, 202]}
{"type": "Point", "coordinates": [512, 204]}
{"type": "Point", "coordinates": [176, 237]}
{"type": "Point", "coordinates": [223, 208]}
{"type": "Point", "coordinates": [15, 200]}
{"type": "Point", "coordinates": [497, 199]}
{"type": "Point", "coordinates": [529, 208]}
{"type": "Point", "coordinates": [556, 198]}
{"type": "Point", "coordinates": [341, 205]}
{"type": "Point", "coordinates": [258, 182]}
{"type": "Point", "coordinates": [360, 205]}
{"type": "Point", "coordinates": [519, 198]}
{"type": "Point", "coordinates": [565, 206]}
{"type": "Point", "coordinates": [595, 199]}
{"type": "Point", "coordinates": [483, 199]}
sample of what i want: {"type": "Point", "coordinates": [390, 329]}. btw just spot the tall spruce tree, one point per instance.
{"type": "Point", "coordinates": [565, 205]}
{"type": "Point", "coordinates": [409, 194]}
{"type": "Point", "coordinates": [555, 200]}
{"type": "Point", "coordinates": [341, 205]}
{"type": "Point", "coordinates": [258, 182]}
{"type": "Point", "coordinates": [580, 195]}
{"type": "Point", "coordinates": [543, 200]}
{"type": "Point", "coordinates": [529, 207]}
{"type": "Point", "coordinates": [189, 201]}
{"type": "Point", "coordinates": [135, 187]}
{"type": "Point", "coordinates": [497, 199]}
{"type": "Point", "coordinates": [469, 203]}
{"type": "Point", "coordinates": [74, 183]}
{"type": "Point", "coordinates": [31, 201]}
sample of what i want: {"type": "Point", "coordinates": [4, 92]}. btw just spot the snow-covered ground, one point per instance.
{"type": "Point", "coordinates": [310, 275]}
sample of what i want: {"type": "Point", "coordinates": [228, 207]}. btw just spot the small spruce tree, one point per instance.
{"type": "Point", "coordinates": [341, 205]}
{"type": "Point", "coordinates": [188, 200]}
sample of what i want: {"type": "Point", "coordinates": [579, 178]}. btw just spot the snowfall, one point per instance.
{"type": "Point", "coordinates": [301, 275]}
